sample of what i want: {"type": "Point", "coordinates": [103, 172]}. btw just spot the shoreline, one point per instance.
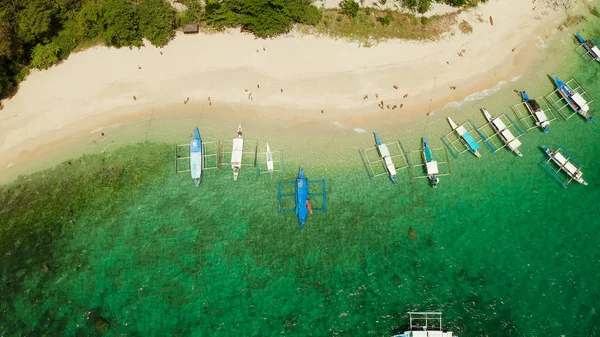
{"type": "Point", "coordinates": [87, 99]}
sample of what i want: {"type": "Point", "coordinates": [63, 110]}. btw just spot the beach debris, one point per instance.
{"type": "Point", "coordinates": [257, 50]}
{"type": "Point", "coordinates": [405, 95]}
{"type": "Point", "coordinates": [102, 133]}
{"type": "Point", "coordinates": [281, 90]}
{"type": "Point", "coordinates": [376, 95]}
{"type": "Point", "coordinates": [209, 98]}
{"type": "Point", "coordinates": [246, 90]}
{"type": "Point", "coordinates": [492, 20]}
{"type": "Point", "coordinates": [258, 86]}
{"type": "Point", "coordinates": [514, 49]}
{"type": "Point", "coordinates": [322, 111]}
{"type": "Point", "coordinates": [401, 106]}
{"type": "Point", "coordinates": [134, 98]}
{"type": "Point", "coordinates": [264, 49]}
{"type": "Point", "coordinates": [140, 68]}
{"type": "Point", "coordinates": [365, 97]}
{"type": "Point", "coordinates": [161, 52]}
{"type": "Point", "coordinates": [412, 234]}
{"type": "Point", "coordinates": [395, 86]}
{"type": "Point", "coordinates": [388, 106]}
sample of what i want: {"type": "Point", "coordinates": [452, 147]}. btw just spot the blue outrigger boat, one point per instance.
{"type": "Point", "coordinates": [196, 157]}
{"type": "Point", "coordinates": [301, 195]}
{"type": "Point", "coordinates": [430, 164]}
{"type": "Point", "coordinates": [539, 116]}
{"type": "Point", "coordinates": [465, 138]}
{"type": "Point", "coordinates": [591, 47]}
{"type": "Point", "coordinates": [574, 100]}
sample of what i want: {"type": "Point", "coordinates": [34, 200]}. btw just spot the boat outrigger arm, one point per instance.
{"type": "Point", "coordinates": [236, 153]}
{"type": "Point", "coordinates": [503, 132]}
{"type": "Point", "coordinates": [384, 152]}
{"type": "Point", "coordinates": [465, 138]}
{"type": "Point", "coordinates": [539, 116]}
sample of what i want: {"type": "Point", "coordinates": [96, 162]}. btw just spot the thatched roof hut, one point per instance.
{"type": "Point", "coordinates": [191, 28]}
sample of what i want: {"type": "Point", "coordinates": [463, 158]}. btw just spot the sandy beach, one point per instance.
{"type": "Point", "coordinates": [293, 77]}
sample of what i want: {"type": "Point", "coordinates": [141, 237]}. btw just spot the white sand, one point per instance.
{"type": "Point", "coordinates": [97, 85]}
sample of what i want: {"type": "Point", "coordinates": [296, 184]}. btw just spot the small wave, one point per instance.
{"type": "Point", "coordinates": [97, 130]}
{"type": "Point", "coordinates": [359, 130]}
{"type": "Point", "coordinates": [102, 128]}
{"type": "Point", "coordinates": [339, 125]}
{"type": "Point", "coordinates": [10, 165]}
{"type": "Point", "coordinates": [482, 94]}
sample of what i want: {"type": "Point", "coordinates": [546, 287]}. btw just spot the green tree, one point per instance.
{"type": "Point", "coordinates": [157, 21]}
{"type": "Point", "coordinates": [120, 24]}
{"type": "Point", "coordinates": [34, 21]}
{"type": "Point", "coordinates": [44, 55]}
{"type": "Point", "coordinates": [424, 6]}
{"type": "Point", "coordinates": [350, 8]}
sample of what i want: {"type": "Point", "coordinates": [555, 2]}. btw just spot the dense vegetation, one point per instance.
{"type": "Point", "coordinates": [40, 33]}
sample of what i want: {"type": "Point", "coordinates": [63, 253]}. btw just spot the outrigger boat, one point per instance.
{"type": "Point", "coordinates": [539, 116]}
{"type": "Point", "coordinates": [465, 138]}
{"type": "Point", "coordinates": [196, 157]}
{"type": "Point", "coordinates": [574, 99]}
{"type": "Point", "coordinates": [564, 164]}
{"type": "Point", "coordinates": [236, 153]}
{"type": "Point", "coordinates": [431, 165]}
{"type": "Point", "coordinates": [301, 195]}
{"type": "Point", "coordinates": [503, 132]}
{"type": "Point", "coordinates": [270, 162]}
{"type": "Point", "coordinates": [590, 46]}
{"type": "Point", "coordinates": [384, 152]}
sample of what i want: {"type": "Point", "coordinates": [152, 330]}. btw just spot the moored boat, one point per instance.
{"type": "Point", "coordinates": [196, 157]}
{"type": "Point", "coordinates": [465, 138]}
{"type": "Point", "coordinates": [430, 164]}
{"type": "Point", "coordinates": [303, 207]}
{"type": "Point", "coordinates": [574, 99]}
{"type": "Point", "coordinates": [590, 46]}
{"type": "Point", "coordinates": [270, 162]}
{"type": "Point", "coordinates": [539, 116]}
{"type": "Point", "coordinates": [505, 135]}
{"type": "Point", "coordinates": [236, 153]}
{"type": "Point", "coordinates": [565, 164]}
{"type": "Point", "coordinates": [384, 152]}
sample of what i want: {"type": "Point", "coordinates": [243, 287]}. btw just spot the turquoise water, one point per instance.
{"type": "Point", "coordinates": [116, 244]}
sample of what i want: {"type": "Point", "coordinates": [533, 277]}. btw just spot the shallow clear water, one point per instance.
{"type": "Point", "coordinates": [117, 244]}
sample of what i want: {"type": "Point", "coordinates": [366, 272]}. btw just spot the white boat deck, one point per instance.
{"type": "Point", "coordinates": [432, 167]}
{"type": "Point", "coordinates": [430, 334]}
{"type": "Point", "coordinates": [236, 152]}
{"type": "Point", "coordinates": [540, 116]}
{"type": "Point", "coordinates": [499, 124]}
{"type": "Point", "coordinates": [565, 164]}
{"type": "Point", "coordinates": [579, 100]}
{"type": "Point", "coordinates": [461, 130]}
{"type": "Point", "coordinates": [387, 158]}
{"type": "Point", "coordinates": [596, 51]}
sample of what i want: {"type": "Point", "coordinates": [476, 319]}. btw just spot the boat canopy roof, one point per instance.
{"type": "Point", "coordinates": [383, 150]}
{"type": "Point", "coordinates": [540, 116]}
{"type": "Point", "coordinates": [499, 124]}
{"type": "Point", "coordinates": [432, 167]}
{"type": "Point", "coordinates": [579, 100]}
{"type": "Point", "coordinates": [428, 154]}
{"type": "Point", "coordinates": [508, 135]}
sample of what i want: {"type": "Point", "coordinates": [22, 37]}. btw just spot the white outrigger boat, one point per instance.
{"type": "Point", "coordinates": [538, 114]}
{"type": "Point", "coordinates": [236, 153]}
{"type": "Point", "coordinates": [431, 165]}
{"type": "Point", "coordinates": [503, 132]}
{"type": "Point", "coordinates": [384, 152]}
{"type": "Point", "coordinates": [270, 162]}
{"type": "Point", "coordinates": [564, 164]}
{"type": "Point", "coordinates": [465, 138]}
